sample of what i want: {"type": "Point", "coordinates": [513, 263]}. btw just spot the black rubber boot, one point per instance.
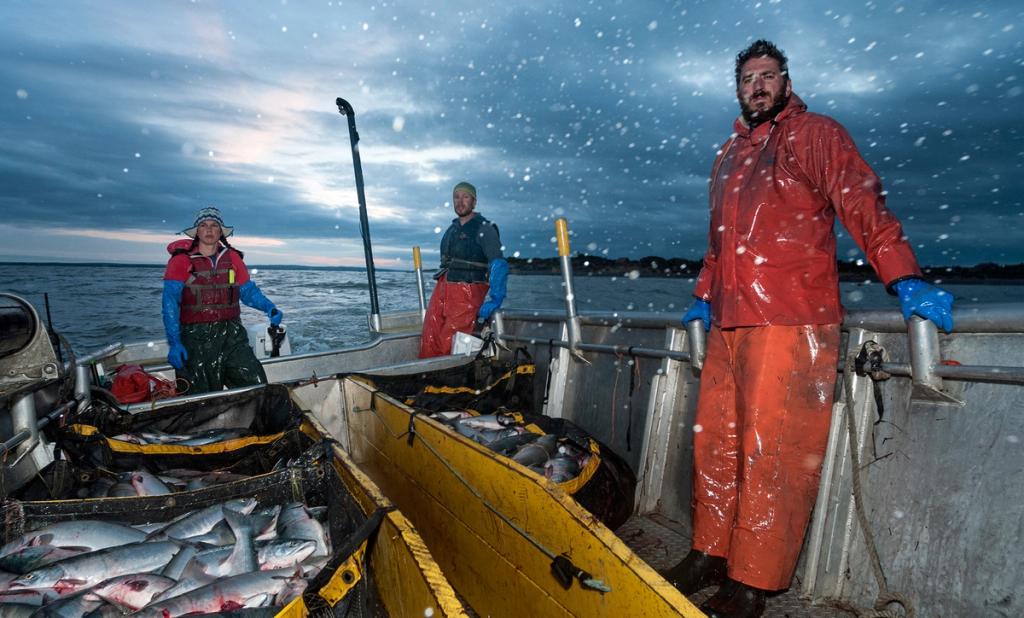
{"type": "Point", "coordinates": [735, 600]}
{"type": "Point", "coordinates": [696, 572]}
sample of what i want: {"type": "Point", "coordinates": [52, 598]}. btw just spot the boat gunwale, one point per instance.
{"type": "Point", "coordinates": [610, 544]}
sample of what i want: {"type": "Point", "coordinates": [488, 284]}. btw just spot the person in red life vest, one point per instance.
{"type": "Point", "coordinates": [769, 294]}
{"type": "Point", "coordinates": [203, 283]}
{"type": "Point", "coordinates": [471, 264]}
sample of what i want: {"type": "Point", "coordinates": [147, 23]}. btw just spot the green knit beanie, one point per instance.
{"type": "Point", "coordinates": [465, 186]}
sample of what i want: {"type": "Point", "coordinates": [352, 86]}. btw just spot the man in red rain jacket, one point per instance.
{"type": "Point", "coordinates": [769, 294]}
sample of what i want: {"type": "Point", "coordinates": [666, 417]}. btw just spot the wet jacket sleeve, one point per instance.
{"type": "Point", "coordinates": [702, 289]}
{"type": "Point", "coordinates": [498, 279]}
{"type": "Point", "coordinates": [704, 280]}
{"type": "Point", "coordinates": [171, 310]}
{"type": "Point", "coordinates": [835, 166]}
{"type": "Point", "coordinates": [171, 304]}
{"type": "Point", "coordinates": [253, 297]}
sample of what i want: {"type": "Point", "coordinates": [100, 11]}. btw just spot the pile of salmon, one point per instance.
{"type": "Point", "coordinates": [557, 459]}
{"type": "Point", "coordinates": [221, 558]}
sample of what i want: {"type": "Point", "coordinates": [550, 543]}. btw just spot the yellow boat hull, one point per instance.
{"type": "Point", "coordinates": [408, 579]}
{"type": "Point", "coordinates": [444, 484]}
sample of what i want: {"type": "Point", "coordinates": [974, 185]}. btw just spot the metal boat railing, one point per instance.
{"type": "Point", "coordinates": [981, 319]}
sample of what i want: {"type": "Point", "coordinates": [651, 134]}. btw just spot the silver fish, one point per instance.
{"type": "Point", "coordinates": [160, 437]}
{"type": "Point", "coordinates": [279, 554]}
{"type": "Point", "coordinates": [299, 523]}
{"type": "Point", "coordinates": [220, 536]}
{"type": "Point", "coordinates": [202, 521]}
{"type": "Point", "coordinates": [512, 443]}
{"type": "Point", "coordinates": [214, 435]}
{"type": "Point", "coordinates": [151, 527]}
{"type": "Point", "coordinates": [16, 610]}
{"type": "Point", "coordinates": [284, 553]}
{"type": "Point", "coordinates": [537, 452]}
{"type": "Point", "coordinates": [172, 481]}
{"type": "Point", "coordinates": [35, 556]}
{"type": "Point", "coordinates": [133, 591]}
{"type": "Point", "coordinates": [34, 598]}
{"type": "Point", "coordinates": [107, 610]}
{"type": "Point", "coordinates": [192, 577]}
{"type": "Point", "coordinates": [242, 558]}
{"type": "Point", "coordinates": [147, 484]}
{"type": "Point", "coordinates": [561, 469]}
{"type": "Point", "coordinates": [258, 589]}
{"type": "Point", "coordinates": [122, 489]}
{"type": "Point", "coordinates": [264, 523]}
{"type": "Point", "coordinates": [177, 565]}
{"type": "Point", "coordinates": [101, 487]}
{"type": "Point", "coordinates": [81, 572]}
{"type": "Point", "coordinates": [486, 422]}
{"type": "Point", "coordinates": [72, 606]}
{"type": "Point", "coordinates": [130, 438]}
{"type": "Point", "coordinates": [85, 534]}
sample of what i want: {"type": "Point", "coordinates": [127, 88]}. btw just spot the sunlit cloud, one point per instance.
{"type": "Point", "coordinates": [142, 236]}
{"type": "Point", "coordinates": [845, 82]}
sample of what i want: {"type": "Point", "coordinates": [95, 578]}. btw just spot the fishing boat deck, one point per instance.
{"type": "Point", "coordinates": [661, 543]}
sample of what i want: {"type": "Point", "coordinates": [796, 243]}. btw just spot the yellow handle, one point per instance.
{"type": "Point", "coordinates": [231, 276]}
{"type": "Point", "coordinates": [417, 261]}
{"type": "Point", "coordinates": [562, 234]}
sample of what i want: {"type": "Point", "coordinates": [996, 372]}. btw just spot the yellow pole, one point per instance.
{"type": "Point", "coordinates": [562, 234]}
{"type": "Point", "coordinates": [565, 261]}
{"type": "Point", "coordinates": [417, 263]}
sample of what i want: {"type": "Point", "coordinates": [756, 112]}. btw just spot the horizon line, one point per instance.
{"type": "Point", "coordinates": [391, 269]}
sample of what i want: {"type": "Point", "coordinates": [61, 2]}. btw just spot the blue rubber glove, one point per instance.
{"type": "Point", "coordinates": [498, 278]}
{"type": "Point", "coordinates": [918, 297]}
{"type": "Point", "coordinates": [699, 310]}
{"type": "Point", "coordinates": [253, 297]}
{"type": "Point", "coordinates": [171, 303]}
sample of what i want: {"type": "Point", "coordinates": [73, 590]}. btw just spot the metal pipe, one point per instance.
{"type": "Point", "coordinates": [1012, 375]}
{"type": "Point", "coordinates": [604, 348]}
{"type": "Point", "coordinates": [924, 351]}
{"type": "Point", "coordinates": [23, 419]}
{"type": "Point", "coordinates": [345, 108]}
{"type": "Point", "coordinates": [982, 373]}
{"type": "Point", "coordinates": [565, 261]}
{"type": "Point", "coordinates": [174, 401]}
{"type": "Point", "coordinates": [14, 441]}
{"type": "Point", "coordinates": [110, 350]}
{"type": "Point", "coordinates": [895, 369]}
{"type": "Point", "coordinates": [84, 370]}
{"type": "Point", "coordinates": [57, 412]}
{"type": "Point", "coordinates": [697, 342]}
{"type": "Point", "coordinates": [83, 382]}
{"type": "Point", "coordinates": [988, 318]}
{"type": "Point", "coordinates": [27, 434]}
{"type": "Point", "coordinates": [417, 263]}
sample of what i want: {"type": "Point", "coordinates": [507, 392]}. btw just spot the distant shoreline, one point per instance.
{"type": "Point", "coordinates": [849, 272]}
{"type": "Point", "coordinates": [647, 267]}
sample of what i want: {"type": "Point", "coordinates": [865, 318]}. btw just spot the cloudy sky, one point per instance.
{"type": "Point", "coordinates": [119, 119]}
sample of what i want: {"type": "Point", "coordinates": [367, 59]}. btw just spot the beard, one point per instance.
{"type": "Point", "coordinates": [755, 117]}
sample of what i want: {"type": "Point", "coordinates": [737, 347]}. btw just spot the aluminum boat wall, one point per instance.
{"type": "Point", "coordinates": [943, 478]}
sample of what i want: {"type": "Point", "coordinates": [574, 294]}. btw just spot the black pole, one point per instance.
{"type": "Point", "coordinates": [345, 108]}
{"type": "Point", "coordinates": [54, 339]}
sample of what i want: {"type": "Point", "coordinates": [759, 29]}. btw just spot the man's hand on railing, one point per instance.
{"type": "Point", "coordinates": [917, 297]}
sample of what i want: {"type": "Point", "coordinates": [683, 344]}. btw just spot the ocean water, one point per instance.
{"type": "Point", "coordinates": [93, 306]}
